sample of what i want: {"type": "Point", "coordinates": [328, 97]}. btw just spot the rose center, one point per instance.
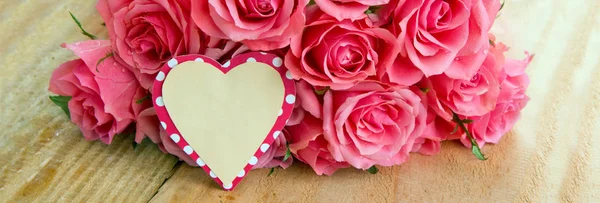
{"type": "Point", "coordinates": [349, 58]}
{"type": "Point", "coordinates": [444, 15]}
{"type": "Point", "coordinates": [473, 82]}
{"type": "Point", "coordinates": [259, 8]}
{"type": "Point", "coordinates": [264, 5]}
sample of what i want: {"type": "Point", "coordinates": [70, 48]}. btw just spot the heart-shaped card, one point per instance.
{"type": "Point", "coordinates": [224, 116]}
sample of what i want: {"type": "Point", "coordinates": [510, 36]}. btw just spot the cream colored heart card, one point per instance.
{"type": "Point", "coordinates": [224, 116]}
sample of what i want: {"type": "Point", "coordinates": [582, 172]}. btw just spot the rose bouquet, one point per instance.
{"type": "Point", "coordinates": [376, 80]}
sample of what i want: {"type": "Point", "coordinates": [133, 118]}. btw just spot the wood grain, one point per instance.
{"type": "Point", "coordinates": [550, 156]}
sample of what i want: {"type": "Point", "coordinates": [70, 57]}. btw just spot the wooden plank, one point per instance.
{"type": "Point", "coordinates": [43, 157]}
{"type": "Point", "coordinates": [550, 156]}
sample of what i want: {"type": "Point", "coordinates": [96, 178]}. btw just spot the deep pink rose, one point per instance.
{"type": "Point", "coordinates": [147, 33]}
{"type": "Point", "coordinates": [476, 96]}
{"type": "Point", "coordinates": [368, 124]}
{"type": "Point", "coordinates": [348, 9]}
{"type": "Point", "coordinates": [274, 156]}
{"type": "Point", "coordinates": [259, 24]}
{"type": "Point", "coordinates": [104, 94]}
{"type": "Point", "coordinates": [492, 126]}
{"type": "Point", "coordinates": [339, 54]}
{"type": "Point", "coordinates": [441, 36]}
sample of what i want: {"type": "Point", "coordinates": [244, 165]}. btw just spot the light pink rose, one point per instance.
{"type": "Point", "coordinates": [104, 94]}
{"type": "Point", "coordinates": [476, 96]}
{"type": "Point", "coordinates": [147, 33]}
{"type": "Point", "coordinates": [369, 125]}
{"type": "Point", "coordinates": [339, 54]}
{"type": "Point", "coordinates": [442, 36]}
{"type": "Point", "coordinates": [274, 156]}
{"type": "Point", "coordinates": [348, 9]}
{"type": "Point", "coordinates": [259, 24]}
{"type": "Point", "coordinates": [491, 127]}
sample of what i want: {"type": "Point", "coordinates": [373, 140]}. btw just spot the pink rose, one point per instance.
{"type": "Point", "coordinates": [147, 33]}
{"type": "Point", "coordinates": [274, 156]}
{"type": "Point", "coordinates": [402, 73]}
{"type": "Point", "coordinates": [305, 131]}
{"type": "Point", "coordinates": [259, 24]}
{"type": "Point", "coordinates": [368, 124]}
{"type": "Point", "coordinates": [306, 102]}
{"type": "Point", "coordinates": [442, 36]}
{"type": "Point", "coordinates": [223, 50]}
{"type": "Point", "coordinates": [309, 145]}
{"type": "Point", "coordinates": [104, 94]}
{"type": "Point", "coordinates": [438, 128]}
{"type": "Point", "coordinates": [339, 54]}
{"type": "Point", "coordinates": [473, 97]}
{"type": "Point", "coordinates": [348, 9]}
{"type": "Point", "coordinates": [492, 126]}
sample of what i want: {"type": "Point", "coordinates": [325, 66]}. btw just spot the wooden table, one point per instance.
{"type": "Point", "coordinates": [552, 155]}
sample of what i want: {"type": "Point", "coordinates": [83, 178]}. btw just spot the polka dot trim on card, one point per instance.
{"type": "Point", "coordinates": [172, 63]}
{"type": "Point", "coordinates": [264, 147]}
{"type": "Point", "coordinates": [276, 134]}
{"type": "Point", "coordinates": [176, 138]}
{"type": "Point", "coordinates": [277, 62]}
{"type": "Point", "coordinates": [290, 99]}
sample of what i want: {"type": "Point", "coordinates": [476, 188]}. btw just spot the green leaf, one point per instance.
{"type": "Point", "coordinates": [373, 170]}
{"type": "Point", "coordinates": [103, 24]}
{"type": "Point", "coordinates": [63, 103]}
{"type": "Point", "coordinates": [424, 90]}
{"type": "Point", "coordinates": [322, 91]}
{"type": "Point", "coordinates": [81, 28]}
{"type": "Point", "coordinates": [140, 101]}
{"type": "Point", "coordinates": [492, 43]}
{"type": "Point", "coordinates": [271, 172]}
{"type": "Point", "coordinates": [108, 55]}
{"type": "Point", "coordinates": [477, 151]}
{"type": "Point", "coordinates": [288, 153]}
{"type": "Point", "coordinates": [311, 2]}
{"type": "Point", "coordinates": [474, 147]}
